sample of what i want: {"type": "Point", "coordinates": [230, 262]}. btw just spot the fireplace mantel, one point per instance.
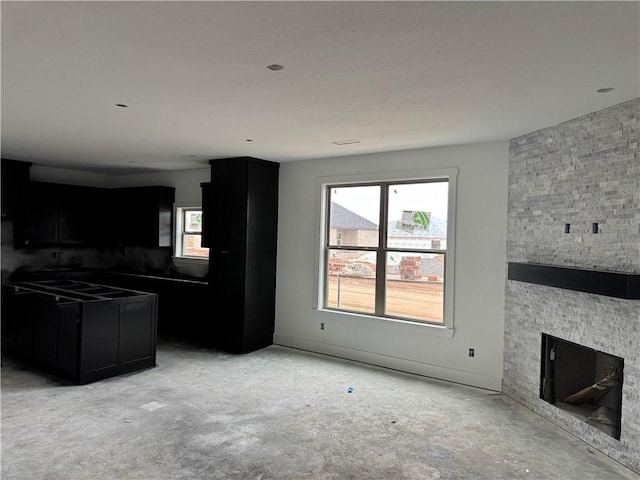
{"type": "Point", "coordinates": [600, 282]}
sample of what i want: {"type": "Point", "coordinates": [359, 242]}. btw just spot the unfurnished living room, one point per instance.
{"type": "Point", "coordinates": [320, 240]}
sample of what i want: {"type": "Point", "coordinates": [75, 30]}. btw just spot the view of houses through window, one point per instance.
{"type": "Point", "coordinates": [190, 233]}
{"type": "Point", "coordinates": [396, 271]}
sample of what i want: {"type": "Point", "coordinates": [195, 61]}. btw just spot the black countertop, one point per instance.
{"type": "Point", "coordinates": [62, 273]}
{"type": "Point", "coordinates": [159, 276]}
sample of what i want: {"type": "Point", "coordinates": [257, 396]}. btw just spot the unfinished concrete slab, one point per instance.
{"type": "Point", "coordinates": [277, 413]}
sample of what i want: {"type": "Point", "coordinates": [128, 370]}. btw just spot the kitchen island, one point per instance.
{"type": "Point", "coordinates": [85, 331]}
{"type": "Point", "coordinates": [184, 306]}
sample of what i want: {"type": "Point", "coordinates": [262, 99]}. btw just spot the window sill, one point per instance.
{"type": "Point", "coordinates": [190, 261]}
{"type": "Point", "coordinates": [412, 327]}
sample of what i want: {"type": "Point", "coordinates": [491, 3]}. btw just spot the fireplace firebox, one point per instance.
{"type": "Point", "coordinates": [584, 382]}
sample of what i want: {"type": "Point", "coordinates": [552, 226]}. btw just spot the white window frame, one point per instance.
{"type": "Point", "coordinates": [178, 231]}
{"type": "Point", "coordinates": [446, 328]}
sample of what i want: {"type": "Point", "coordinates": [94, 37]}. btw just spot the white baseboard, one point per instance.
{"type": "Point", "coordinates": [404, 365]}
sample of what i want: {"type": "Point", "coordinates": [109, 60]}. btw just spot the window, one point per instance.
{"type": "Point", "coordinates": [397, 271]}
{"type": "Point", "coordinates": [189, 233]}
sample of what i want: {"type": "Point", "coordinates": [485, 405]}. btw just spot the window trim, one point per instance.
{"type": "Point", "coordinates": [178, 233]}
{"type": "Point", "coordinates": [446, 328]}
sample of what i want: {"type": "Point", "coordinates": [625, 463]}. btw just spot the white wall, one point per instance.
{"type": "Point", "coordinates": [186, 182]}
{"type": "Point", "coordinates": [479, 269]}
{"type": "Point", "coordinates": [39, 173]}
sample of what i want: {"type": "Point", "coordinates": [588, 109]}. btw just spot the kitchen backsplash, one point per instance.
{"type": "Point", "coordinates": [135, 259]}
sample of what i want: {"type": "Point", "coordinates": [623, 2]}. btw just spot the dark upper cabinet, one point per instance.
{"type": "Point", "coordinates": [120, 215]}
{"type": "Point", "coordinates": [78, 216]}
{"type": "Point", "coordinates": [15, 183]}
{"type": "Point", "coordinates": [243, 214]}
{"type": "Point", "coordinates": [228, 205]}
{"type": "Point", "coordinates": [15, 195]}
{"type": "Point", "coordinates": [142, 216]}
{"type": "Point", "coordinates": [61, 214]}
{"type": "Point", "coordinates": [42, 214]}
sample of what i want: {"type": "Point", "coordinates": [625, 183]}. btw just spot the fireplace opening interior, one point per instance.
{"type": "Point", "coordinates": [583, 382]}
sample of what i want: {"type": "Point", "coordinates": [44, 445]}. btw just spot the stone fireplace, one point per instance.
{"type": "Point", "coordinates": [574, 204]}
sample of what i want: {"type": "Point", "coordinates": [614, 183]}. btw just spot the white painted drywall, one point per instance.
{"type": "Point", "coordinates": [186, 182]}
{"type": "Point", "coordinates": [40, 173]}
{"type": "Point", "coordinates": [479, 269]}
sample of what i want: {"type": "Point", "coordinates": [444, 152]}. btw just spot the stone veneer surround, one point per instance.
{"type": "Point", "coordinates": [583, 171]}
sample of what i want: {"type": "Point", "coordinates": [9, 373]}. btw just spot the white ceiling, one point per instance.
{"type": "Point", "coordinates": [393, 75]}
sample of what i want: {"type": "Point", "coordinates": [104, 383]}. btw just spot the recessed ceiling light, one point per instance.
{"type": "Point", "coordinates": [345, 142]}
{"type": "Point", "coordinates": [605, 90]}
{"type": "Point", "coordinates": [249, 140]}
{"type": "Point", "coordinates": [122, 105]}
{"type": "Point", "coordinates": [275, 67]}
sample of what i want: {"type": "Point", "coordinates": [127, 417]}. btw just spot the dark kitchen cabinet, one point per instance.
{"type": "Point", "coordinates": [60, 214]}
{"type": "Point", "coordinates": [15, 183]}
{"type": "Point", "coordinates": [228, 294]}
{"type": "Point", "coordinates": [15, 194]}
{"type": "Point", "coordinates": [68, 319]}
{"type": "Point", "coordinates": [183, 305]}
{"type": "Point", "coordinates": [118, 336]}
{"type": "Point", "coordinates": [205, 241]}
{"type": "Point", "coordinates": [46, 330]}
{"type": "Point", "coordinates": [42, 214]}
{"type": "Point", "coordinates": [243, 214]}
{"type": "Point", "coordinates": [142, 216]}
{"type": "Point", "coordinates": [74, 215]}
{"type": "Point", "coordinates": [134, 342]}
{"type": "Point", "coordinates": [78, 214]}
{"type": "Point", "coordinates": [85, 331]}
{"type": "Point", "coordinates": [18, 321]}
{"type": "Point", "coordinates": [41, 327]}
{"type": "Point", "coordinates": [56, 333]}
{"type": "Point", "coordinates": [228, 205]}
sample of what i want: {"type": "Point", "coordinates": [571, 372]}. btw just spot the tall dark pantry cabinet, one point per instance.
{"type": "Point", "coordinates": [240, 208]}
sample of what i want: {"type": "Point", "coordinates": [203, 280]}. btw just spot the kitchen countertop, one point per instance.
{"type": "Point", "coordinates": [155, 276]}
{"type": "Point", "coordinates": [56, 273]}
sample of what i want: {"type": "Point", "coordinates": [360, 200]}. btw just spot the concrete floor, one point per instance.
{"type": "Point", "coordinates": [276, 414]}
